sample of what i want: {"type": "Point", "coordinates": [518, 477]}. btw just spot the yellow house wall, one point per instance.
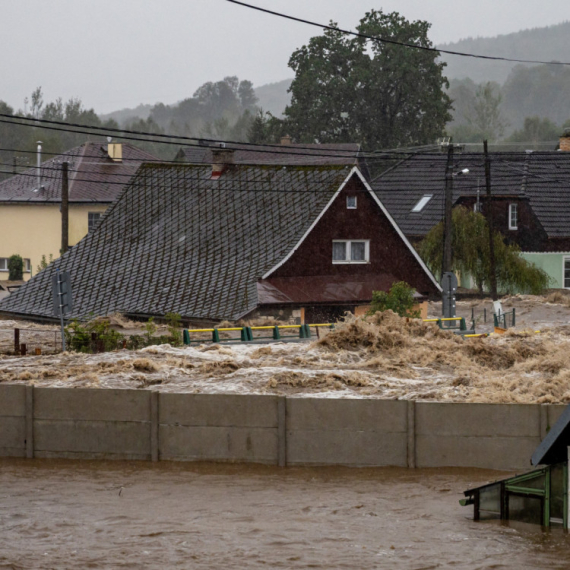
{"type": "Point", "coordinates": [33, 230]}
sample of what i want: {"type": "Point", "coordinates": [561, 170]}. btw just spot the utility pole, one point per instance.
{"type": "Point", "coordinates": [448, 225]}
{"type": "Point", "coordinates": [489, 212]}
{"type": "Point", "coordinates": [64, 208]}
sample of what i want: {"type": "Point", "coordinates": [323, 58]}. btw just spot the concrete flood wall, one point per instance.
{"type": "Point", "coordinates": [143, 425]}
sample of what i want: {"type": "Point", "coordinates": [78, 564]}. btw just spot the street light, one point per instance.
{"type": "Point", "coordinates": [449, 176]}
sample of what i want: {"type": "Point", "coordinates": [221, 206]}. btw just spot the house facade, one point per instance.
{"type": "Point", "coordinates": [30, 202]}
{"type": "Point", "coordinates": [238, 241]}
{"type": "Point", "coordinates": [530, 202]}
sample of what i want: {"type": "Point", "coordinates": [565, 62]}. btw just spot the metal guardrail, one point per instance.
{"type": "Point", "coordinates": [247, 333]}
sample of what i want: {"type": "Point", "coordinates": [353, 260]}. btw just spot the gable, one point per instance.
{"type": "Point", "coordinates": [391, 256]}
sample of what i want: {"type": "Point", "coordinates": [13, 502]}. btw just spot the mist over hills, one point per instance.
{"type": "Point", "coordinates": [544, 44]}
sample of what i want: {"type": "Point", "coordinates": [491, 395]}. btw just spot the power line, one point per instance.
{"type": "Point", "coordinates": [389, 41]}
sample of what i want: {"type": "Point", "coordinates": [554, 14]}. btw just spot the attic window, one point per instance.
{"type": "Point", "coordinates": [351, 202]}
{"type": "Point", "coordinates": [422, 203]}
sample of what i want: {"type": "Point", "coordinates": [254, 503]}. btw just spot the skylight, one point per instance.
{"type": "Point", "coordinates": [422, 203]}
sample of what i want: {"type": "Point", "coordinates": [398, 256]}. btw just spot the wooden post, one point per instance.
{"type": "Point", "coordinates": [489, 214]}
{"type": "Point", "coordinates": [64, 208]}
{"type": "Point", "coordinates": [16, 341]}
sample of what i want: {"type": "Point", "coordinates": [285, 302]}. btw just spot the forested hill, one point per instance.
{"type": "Point", "coordinates": [544, 44]}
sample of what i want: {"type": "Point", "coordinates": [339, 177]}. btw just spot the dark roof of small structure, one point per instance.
{"type": "Point", "coordinates": [554, 447]}
{"type": "Point", "coordinates": [287, 154]}
{"type": "Point", "coordinates": [541, 177]}
{"type": "Point", "coordinates": [93, 176]}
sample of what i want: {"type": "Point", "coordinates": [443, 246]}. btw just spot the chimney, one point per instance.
{"type": "Point", "coordinates": [286, 140]}
{"type": "Point", "coordinates": [115, 151]}
{"type": "Point", "coordinates": [221, 158]}
{"type": "Point", "coordinates": [565, 141]}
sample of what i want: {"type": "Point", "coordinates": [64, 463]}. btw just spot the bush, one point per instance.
{"type": "Point", "coordinates": [174, 321]}
{"type": "Point", "coordinates": [399, 299]}
{"type": "Point", "coordinates": [15, 268]}
{"type": "Point", "coordinates": [78, 335]}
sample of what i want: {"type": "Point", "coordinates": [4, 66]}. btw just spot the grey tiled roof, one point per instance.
{"type": "Point", "coordinates": [308, 154]}
{"type": "Point", "coordinates": [542, 177]}
{"type": "Point", "coordinates": [93, 176]}
{"type": "Point", "coordinates": [176, 240]}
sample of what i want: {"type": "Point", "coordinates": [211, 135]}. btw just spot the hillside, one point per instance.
{"type": "Point", "coordinates": [544, 44]}
{"type": "Point", "coordinates": [273, 97]}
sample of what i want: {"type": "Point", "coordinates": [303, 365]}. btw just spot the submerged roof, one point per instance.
{"type": "Point", "coordinates": [93, 176]}
{"type": "Point", "coordinates": [176, 240]}
{"type": "Point", "coordinates": [287, 154]}
{"type": "Point", "coordinates": [554, 447]}
{"type": "Point", "coordinates": [541, 177]}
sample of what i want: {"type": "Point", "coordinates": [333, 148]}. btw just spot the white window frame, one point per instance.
{"type": "Point", "coordinates": [4, 260]}
{"type": "Point", "coordinates": [349, 243]}
{"type": "Point", "coordinates": [422, 203]}
{"type": "Point", "coordinates": [513, 207]}
{"type": "Point", "coordinates": [27, 265]}
{"type": "Point", "coordinates": [564, 260]}
{"type": "Point", "coordinates": [348, 206]}
{"type": "Point", "coordinates": [96, 223]}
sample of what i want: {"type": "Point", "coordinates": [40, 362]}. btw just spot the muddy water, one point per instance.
{"type": "Point", "coordinates": [77, 515]}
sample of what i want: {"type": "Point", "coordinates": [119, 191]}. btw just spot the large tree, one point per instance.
{"type": "Point", "coordinates": [382, 95]}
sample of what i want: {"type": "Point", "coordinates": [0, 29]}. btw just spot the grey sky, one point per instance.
{"type": "Point", "coordinates": [119, 53]}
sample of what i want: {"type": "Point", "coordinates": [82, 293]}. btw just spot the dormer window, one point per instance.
{"type": "Point", "coordinates": [422, 203]}
{"type": "Point", "coordinates": [351, 202]}
{"type": "Point", "coordinates": [513, 217]}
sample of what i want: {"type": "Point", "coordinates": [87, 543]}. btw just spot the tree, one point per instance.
{"type": "Point", "coordinates": [15, 268]}
{"type": "Point", "coordinates": [536, 129]}
{"type": "Point", "coordinates": [378, 94]}
{"type": "Point", "coordinates": [399, 299]}
{"type": "Point", "coordinates": [485, 113]}
{"type": "Point", "coordinates": [470, 246]}
{"type": "Point", "coordinates": [264, 128]}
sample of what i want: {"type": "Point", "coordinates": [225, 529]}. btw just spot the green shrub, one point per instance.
{"type": "Point", "coordinates": [399, 299]}
{"type": "Point", "coordinates": [174, 321]}
{"type": "Point", "coordinates": [15, 268]}
{"type": "Point", "coordinates": [78, 335]}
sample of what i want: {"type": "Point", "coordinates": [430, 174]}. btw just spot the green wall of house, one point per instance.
{"type": "Point", "coordinates": [551, 263]}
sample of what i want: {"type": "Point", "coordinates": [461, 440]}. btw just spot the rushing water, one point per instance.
{"type": "Point", "coordinates": [77, 515]}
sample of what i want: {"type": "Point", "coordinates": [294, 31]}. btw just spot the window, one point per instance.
{"type": "Point", "coordinates": [422, 203]}
{"type": "Point", "coordinates": [513, 216]}
{"type": "Point", "coordinates": [351, 202]}
{"type": "Point", "coordinates": [566, 272]}
{"type": "Point", "coordinates": [92, 220]}
{"type": "Point", "coordinates": [4, 264]}
{"type": "Point", "coordinates": [351, 251]}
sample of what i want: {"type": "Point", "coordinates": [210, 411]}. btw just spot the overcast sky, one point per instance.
{"type": "Point", "coordinates": [119, 53]}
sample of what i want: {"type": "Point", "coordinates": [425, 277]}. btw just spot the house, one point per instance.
{"type": "Point", "coordinates": [530, 199]}
{"type": "Point", "coordinates": [226, 241]}
{"type": "Point", "coordinates": [287, 153]}
{"type": "Point", "coordinates": [537, 497]}
{"type": "Point", "coordinates": [30, 202]}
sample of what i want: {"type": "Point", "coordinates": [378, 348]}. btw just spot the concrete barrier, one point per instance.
{"type": "Point", "coordinates": [138, 424]}
{"type": "Point", "coordinates": [322, 431]}
{"type": "Point", "coordinates": [218, 427]}
{"type": "Point", "coordinates": [12, 421]}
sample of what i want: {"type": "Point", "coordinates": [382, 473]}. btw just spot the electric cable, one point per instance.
{"type": "Point", "coordinates": [390, 41]}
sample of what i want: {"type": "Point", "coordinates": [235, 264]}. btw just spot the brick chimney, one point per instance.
{"type": "Point", "coordinates": [221, 158]}
{"type": "Point", "coordinates": [565, 141]}
{"type": "Point", "coordinates": [286, 140]}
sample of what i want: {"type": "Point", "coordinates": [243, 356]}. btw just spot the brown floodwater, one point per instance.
{"type": "Point", "coordinates": [77, 515]}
